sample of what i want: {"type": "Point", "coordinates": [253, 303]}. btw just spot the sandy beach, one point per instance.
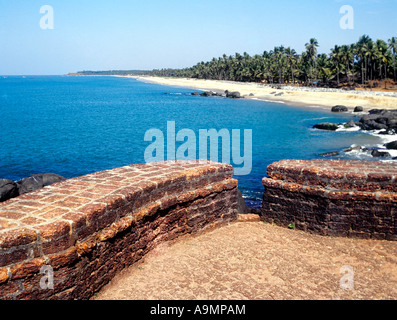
{"type": "Point", "coordinates": [290, 95]}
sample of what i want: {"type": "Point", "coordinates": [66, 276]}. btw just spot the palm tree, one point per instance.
{"type": "Point", "coordinates": [324, 67]}
{"type": "Point", "coordinates": [256, 68]}
{"type": "Point", "coordinates": [304, 67]}
{"type": "Point", "coordinates": [383, 57]}
{"type": "Point", "coordinates": [370, 50]}
{"type": "Point", "coordinates": [353, 54]}
{"type": "Point", "coordinates": [374, 60]}
{"type": "Point", "coordinates": [311, 49]}
{"type": "Point", "coordinates": [346, 56]}
{"type": "Point", "coordinates": [393, 47]}
{"type": "Point", "coordinates": [362, 48]}
{"type": "Point", "coordinates": [292, 60]}
{"type": "Point", "coordinates": [267, 65]}
{"type": "Point", "coordinates": [279, 61]}
{"type": "Point", "coordinates": [336, 59]}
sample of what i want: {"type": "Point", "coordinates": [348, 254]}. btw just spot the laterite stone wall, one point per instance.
{"type": "Point", "coordinates": [334, 198]}
{"type": "Point", "coordinates": [89, 228]}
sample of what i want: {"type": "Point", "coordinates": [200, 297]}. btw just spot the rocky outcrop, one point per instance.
{"type": "Point", "coordinates": [233, 95]}
{"type": "Point", "coordinates": [38, 181]}
{"type": "Point", "coordinates": [358, 109]}
{"type": "Point", "coordinates": [339, 109]}
{"type": "Point", "coordinates": [351, 149]}
{"type": "Point", "coordinates": [210, 94]}
{"type": "Point", "coordinates": [380, 154]}
{"type": "Point", "coordinates": [330, 154]}
{"type": "Point", "coordinates": [379, 120]}
{"type": "Point", "coordinates": [226, 94]}
{"type": "Point", "coordinates": [242, 207]}
{"type": "Point", "coordinates": [8, 190]}
{"type": "Point", "coordinates": [350, 124]}
{"type": "Point", "coordinates": [391, 145]}
{"type": "Point", "coordinates": [326, 126]}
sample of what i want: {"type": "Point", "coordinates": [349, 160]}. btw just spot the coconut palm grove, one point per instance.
{"type": "Point", "coordinates": [367, 63]}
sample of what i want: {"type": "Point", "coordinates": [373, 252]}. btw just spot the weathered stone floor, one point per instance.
{"type": "Point", "coordinates": [254, 260]}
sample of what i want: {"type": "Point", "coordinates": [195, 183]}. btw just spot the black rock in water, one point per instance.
{"type": "Point", "coordinates": [8, 190]}
{"type": "Point", "coordinates": [391, 145]}
{"type": "Point", "coordinates": [330, 154]}
{"type": "Point", "coordinates": [339, 109]}
{"type": "Point", "coordinates": [210, 94]}
{"type": "Point", "coordinates": [379, 120]}
{"type": "Point", "coordinates": [380, 154]}
{"type": "Point", "coordinates": [358, 109]}
{"type": "Point", "coordinates": [242, 206]}
{"type": "Point", "coordinates": [350, 124]}
{"type": "Point", "coordinates": [38, 181]}
{"type": "Point", "coordinates": [358, 148]}
{"type": "Point", "coordinates": [326, 126]}
{"type": "Point", "coordinates": [233, 95]}
{"type": "Point", "coordinates": [377, 111]}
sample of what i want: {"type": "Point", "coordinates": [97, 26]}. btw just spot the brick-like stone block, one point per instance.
{"type": "Point", "coordinates": [88, 228]}
{"type": "Point", "coordinates": [335, 198]}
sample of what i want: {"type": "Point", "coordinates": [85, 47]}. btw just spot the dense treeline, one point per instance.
{"type": "Point", "coordinates": [110, 73]}
{"type": "Point", "coordinates": [366, 62]}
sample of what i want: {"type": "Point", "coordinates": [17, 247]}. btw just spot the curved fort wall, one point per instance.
{"type": "Point", "coordinates": [333, 198]}
{"type": "Point", "coordinates": [77, 234]}
{"type": "Point", "coordinates": [81, 232]}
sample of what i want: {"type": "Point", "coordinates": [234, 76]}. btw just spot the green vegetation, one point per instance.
{"type": "Point", "coordinates": [366, 62]}
{"type": "Point", "coordinates": [112, 73]}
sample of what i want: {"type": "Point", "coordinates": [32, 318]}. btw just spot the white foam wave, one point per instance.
{"type": "Point", "coordinates": [266, 100]}
{"type": "Point", "coordinates": [353, 129]}
{"type": "Point", "coordinates": [366, 155]}
{"type": "Point", "coordinates": [273, 101]}
{"type": "Point", "coordinates": [310, 119]}
{"type": "Point", "coordinates": [385, 138]}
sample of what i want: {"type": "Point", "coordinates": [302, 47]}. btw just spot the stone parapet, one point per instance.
{"type": "Point", "coordinates": [89, 228]}
{"type": "Point", "coordinates": [333, 197]}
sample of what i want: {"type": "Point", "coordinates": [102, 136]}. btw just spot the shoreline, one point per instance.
{"type": "Point", "coordinates": [306, 98]}
{"type": "Point", "coordinates": [301, 97]}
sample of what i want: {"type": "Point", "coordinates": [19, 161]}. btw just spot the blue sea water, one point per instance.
{"type": "Point", "coordinates": [74, 126]}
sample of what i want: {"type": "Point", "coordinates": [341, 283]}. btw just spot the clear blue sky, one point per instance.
{"type": "Point", "coordinates": [147, 34]}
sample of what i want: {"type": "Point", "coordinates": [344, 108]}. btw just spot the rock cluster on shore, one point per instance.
{"type": "Point", "coordinates": [381, 121]}
{"type": "Point", "coordinates": [326, 126]}
{"type": "Point", "coordinates": [339, 109]}
{"type": "Point", "coordinates": [226, 94]}
{"type": "Point", "coordinates": [10, 189]}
